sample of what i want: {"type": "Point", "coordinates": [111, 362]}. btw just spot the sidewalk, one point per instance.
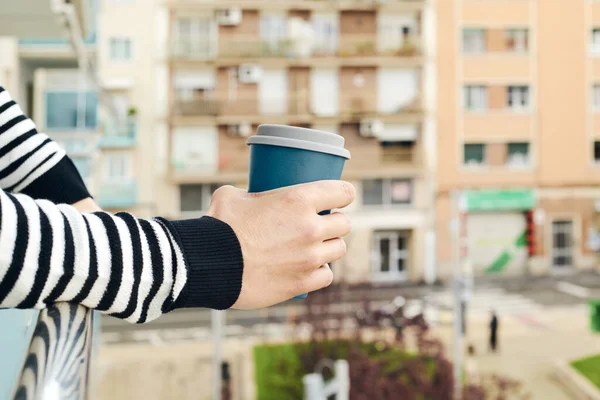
{"type": "Point", "coordinates": [530, 345]}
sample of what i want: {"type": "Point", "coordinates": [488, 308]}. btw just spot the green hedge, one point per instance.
{"type": "Point", "coordinates": [279, 368]}
{"type": "Point", "coordinates": [590, 368]}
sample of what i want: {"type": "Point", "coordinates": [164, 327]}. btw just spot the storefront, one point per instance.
{"type": "Point", "coordinates": [496, 230]}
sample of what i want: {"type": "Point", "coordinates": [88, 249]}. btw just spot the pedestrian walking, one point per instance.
{"type": "Point", "coordinates": [494, 325]}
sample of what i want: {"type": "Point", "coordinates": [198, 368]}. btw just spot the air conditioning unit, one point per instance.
{"type": "Point", "coordinates": [370, 127]}
{"type": "Point", "coordinates": [249, 73]}
{"type": "Point", "coordinates": [243, 129]}
{"type": "Point", "coordinates": [229, 16]}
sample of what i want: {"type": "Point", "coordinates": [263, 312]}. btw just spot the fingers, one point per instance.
{"type": "Point", "coordinates": [334, 226]}
{"type": "Point", "coordinates": [323, 253]}
{"type": "Point", "coordinates": [318, 279]}
{"type": "Point", "coordinates": [320, 196]}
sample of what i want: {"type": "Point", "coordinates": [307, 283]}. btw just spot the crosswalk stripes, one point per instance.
{"type": "Point", "coordinates": [482, 302]}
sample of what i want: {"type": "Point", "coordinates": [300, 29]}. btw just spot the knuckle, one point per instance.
{"type": "Point", "coordinates": [349, 191]}
{"type": "Point", "coordinates": [312, 258]}
{"type": "Point", "coordinates": [314, 232]}
{"type": "Point", "coordinates": [343, 247]}
{"type": "Point", "coordinates": [223, 193]}
{"type": "Point", "coordinates": [347, 223]}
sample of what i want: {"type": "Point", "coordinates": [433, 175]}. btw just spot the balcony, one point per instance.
{"type": "Point", "coordinates": [395, 155]}
{"type": "Point", "coordinates": [117, 195]}
{"type": "Point", "coordinates": [313, 5]}
{"type": "Point", "coordinates": [295, 108]}
{"type": "Point", "coordinates": [118, 135]}
{"type": "Point", "coordinates": [350, 50]}
{"type": "Point", "coordinates": [40, 19]}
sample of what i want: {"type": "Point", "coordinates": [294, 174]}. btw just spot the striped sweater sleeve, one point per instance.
{"type": "Point", "coordinates": [129, 268]}
{"type": "Point", "coordinates": [31, 163]}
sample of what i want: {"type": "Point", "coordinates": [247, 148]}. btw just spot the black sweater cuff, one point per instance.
{"type": "Point", "coordinates": [215, 263]}
{"type": "Point", "coordinates": [61, 184]}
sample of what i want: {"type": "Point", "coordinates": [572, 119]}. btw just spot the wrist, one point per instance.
{"type": "Point", "coordinates": [214, 261]}
{"type": "Point", "coordinates": [87, 206]}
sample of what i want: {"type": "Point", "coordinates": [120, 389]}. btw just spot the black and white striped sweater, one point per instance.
{"type": "Point", "coordinates": [130, 268]}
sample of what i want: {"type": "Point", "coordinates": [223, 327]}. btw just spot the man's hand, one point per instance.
{"type": "Point", "coordinates": [285, 243]}
{"type": "Point", "coordinates": [87, 206]}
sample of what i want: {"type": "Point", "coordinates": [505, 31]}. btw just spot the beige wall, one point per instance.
{"type": "Point", "coordinates": [247, 29]}
{"type": "Point", "coordinates": [246, 100]}
{"type": "Point", "coordinates": [358, 99]}
{"type": "Point", "coordinates": [358, 23]}
{"type": "Point", "coordinates": [559, 127]}
{"type": "Point", "coordinates": [562, 92]}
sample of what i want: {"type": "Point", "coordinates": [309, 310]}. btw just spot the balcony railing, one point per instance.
{"type": "Point", "coordinates": [117, 195]}
{"type": "Point", "coordinates": [118, 134]}
{"type": "Point", "coordinates": [398, 155]}
{"type": "Point", "coordinates": [57, 363]}
{"type": "Point", "coordinates": [297, 104]}
{"type": "Point", "coordinates": [346, 46]}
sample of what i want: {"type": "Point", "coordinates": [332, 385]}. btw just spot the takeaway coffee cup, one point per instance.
{"type": "Point", "coordinates": [286, 155]}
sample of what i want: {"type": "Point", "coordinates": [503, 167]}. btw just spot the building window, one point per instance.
{"type": "Point", "coordinates": [596, 41]}
{"type": "Point", "coordinates": [519, 97]}
{"type": "Point", "coordinates": [120, 49]}
{"type": "Point", "coordinates": [597, 151]}
{"type": "Point", "coordinates": [473, 40]}
{"type": "Point", "coordinates": [596, 97]}
{"type": "Point", "coordinates": [387, 192]}
{"type": "Point", "coordinates": [517, 40]}
{"type": "Point", "coordinates": [518, 154]}
{"type": "Point", "coordinates": [71, 110]}
{"type": "Point", "coordinates": [83, 166]}
{"type": "Point", "coordinates": [273, 32]}
{"type": "Point", "coordinates": [475, 98]}
{"type": "Point", "coordinates": [197, 198]}
{"type": "Point", "coordinates": [117, 167]}
{"type": "Point", "coordinates": [474, 154]}
{"type": "Point", "coordinates": [390, 254]}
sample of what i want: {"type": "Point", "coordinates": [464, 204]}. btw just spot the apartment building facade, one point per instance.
{"type": "Point", "coordinates": [97, 120]}
{"type": "Point", "coordinates": [362, 69]}
{"type": "Point", "coordinates": [518, 127]}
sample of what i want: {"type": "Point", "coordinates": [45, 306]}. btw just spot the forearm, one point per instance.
{"type": "Point", "coordinates": [119, 265]}
{"type": "Point", "coordinates": [31, 163]}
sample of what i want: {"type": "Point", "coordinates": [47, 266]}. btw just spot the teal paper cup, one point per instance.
{"type": "Point", "coordinates": [283, 156]}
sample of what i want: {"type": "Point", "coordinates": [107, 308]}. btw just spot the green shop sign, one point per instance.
{"type": "Point", "coordinates": [499, 200]}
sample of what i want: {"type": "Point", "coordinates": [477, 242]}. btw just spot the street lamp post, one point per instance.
{"type": "Point", "coordinates": [217, 318]}
{"type": "Point", "coordinates": [460, 287]}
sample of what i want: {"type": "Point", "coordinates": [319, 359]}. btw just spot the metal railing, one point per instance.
{"type": "Point", "coordinates": [398, 155]}
{"type": "Point", "coordinates": [293, 104]}
{"type": "Point", "coordinates": [57, 364]}
{"type": "Point", "coordinates": [344, 46]}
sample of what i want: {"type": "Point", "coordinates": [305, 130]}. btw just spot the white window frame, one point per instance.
{"type": "Point", "coordinates": [596, 97]}
{"type": "Point", "coordinates": [273, 29]}
{"type": "Point", "coordinates": [478, 95]}
{"type": "Point", "coordinates": [477, 40]}
{"type": "Point", "coordinates": [483, 163]}
{"type": "Point", "coordinates": [511, 163]}
{"type": "Point", "coordinates": [206, 198]}
{"type": "Point", "coordinates": [110, 160]}
{"type": "Point", "coordinates": [517, 95]}
{"type": "Point", "coordinates": [395, 254]}
{"type": "Point", "coordinates": [386, 195]}
{"type": "Point", "coordinates": [121, 49]}
{"type": "Point", "coordinates": [200, 39]}
{"type": "Point", "coordinates": [521, 39]}
{"type": "Point", "coordinates": [595, 42]}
